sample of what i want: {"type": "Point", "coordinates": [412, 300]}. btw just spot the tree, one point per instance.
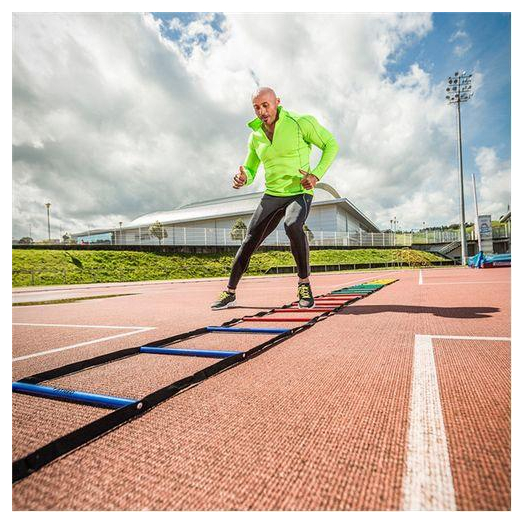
{"type": "Point", "coordinates": [157, 230]}
{"type": "Point", "coordinates": [66, 238]}
{"type": "Point", "coordinates": [309, 233]}
{"type": "Point", "coordinates": [48, 241]}
{"type": "Point", "coordinates": [25, 240]}
{"type": "Point", "coordinates": [238, 231]}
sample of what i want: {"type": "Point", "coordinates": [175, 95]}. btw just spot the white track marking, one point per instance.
{"type": "Point", "coordinates": [87, 326]}
{"type": "Point", "coordinates": [459, 282]}
{"type": "Point", "coordinates": [466, 282]}
{"type": "Point", "coordinates": [470, 337]}
{"type": "Point", "coordinates": [136, 330]}
{"type": "Point", "coordinates": [427, 482]}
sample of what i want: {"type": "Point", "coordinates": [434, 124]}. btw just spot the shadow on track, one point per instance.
{"type": "Point", "coordinates": [458, 312]}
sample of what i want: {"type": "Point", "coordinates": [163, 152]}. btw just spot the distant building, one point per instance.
{"type": "Point", "coordinates": [210, 222]}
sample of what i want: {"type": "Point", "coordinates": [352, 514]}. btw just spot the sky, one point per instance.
{"type": "Point", "coordinates": [116, 115]}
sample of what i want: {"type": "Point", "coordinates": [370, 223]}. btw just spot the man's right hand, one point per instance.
{"type": "Point", "coordinates": [240, 178]}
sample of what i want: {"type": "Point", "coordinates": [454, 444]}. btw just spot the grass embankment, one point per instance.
{"type": "Point", "coordinates": [79, 266]}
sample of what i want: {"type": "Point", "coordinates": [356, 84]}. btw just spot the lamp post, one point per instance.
{"type": "Point", "coordinates": [459, 90]}
{"type": "Point", "coordinates": [395, 230]}
{"type": "Point", "coordinates": [120, 227]}
{"type": "Point", "coordinates": [48, 204]}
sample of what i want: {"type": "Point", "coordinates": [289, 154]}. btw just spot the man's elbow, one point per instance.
{"type": "Point", "coordinates": [334, 146]}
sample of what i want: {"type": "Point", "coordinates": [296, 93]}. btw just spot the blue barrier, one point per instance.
{"type": "Point", "coordinates": [476, 260]}
{"type": "Point", "coordinates": [248, 330]}
{"type": "Point", "coordinates": [482, 260]}
{"type": "Point", "coordinates": [219, 354]}
{"type": "Point", "coordinates": [72, 395]}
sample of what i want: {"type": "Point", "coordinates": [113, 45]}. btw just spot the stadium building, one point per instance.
{"type": "Point", "coordinates": [210, 222]}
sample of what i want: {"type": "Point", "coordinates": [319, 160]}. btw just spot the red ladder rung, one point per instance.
{"type": "Point", "coordinates": [277, 320]}
{"type": "Point", "coordinates": [303, 310]}
{"type": "Point", "coordinates": [325, 303]}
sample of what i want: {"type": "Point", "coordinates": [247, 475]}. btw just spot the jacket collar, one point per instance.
{"type": "Point", "coordinates": [256, 123]}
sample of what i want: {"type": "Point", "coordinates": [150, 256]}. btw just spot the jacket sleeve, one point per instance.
{"type": "Point", "coordinates": [314, 133]}
{"type": "Point", "coordinates": [251, 163]}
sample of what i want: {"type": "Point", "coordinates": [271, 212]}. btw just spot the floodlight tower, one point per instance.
{"type": "Point", "coordinates": [459, 90]}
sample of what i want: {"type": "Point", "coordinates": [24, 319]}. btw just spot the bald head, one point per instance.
{"type": "Point", "coordinates": [265, 103]}
{"type": "Point", "coordinates": [264, 91]}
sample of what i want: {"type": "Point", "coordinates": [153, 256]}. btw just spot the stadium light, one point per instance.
{"type": "Point", "coordinates": [458, 92]}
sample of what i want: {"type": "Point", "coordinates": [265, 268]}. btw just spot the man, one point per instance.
{"type": "Point", "coordinates": [282, 140]}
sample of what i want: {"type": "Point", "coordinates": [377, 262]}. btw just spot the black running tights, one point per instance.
{"type": "Point", "coordinates": [267, 216]}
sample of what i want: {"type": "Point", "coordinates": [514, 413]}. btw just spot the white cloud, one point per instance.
{"type": "Point", "coordinates": [494, 182]}
{"type": "Point", "coordinates": [464, 42]}
{"type": "Point", "coordinates": [107, 123]}
{"type": "Point", "coordinates": [458, 35]}
{"type": "Point", "coordinates": [460, 50]}
{"type": "Point", "coordinates": [112, 120]}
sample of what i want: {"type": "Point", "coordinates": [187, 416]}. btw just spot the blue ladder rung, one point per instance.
{"type": "Point", "coordinates": [219, 354]}
{"type": "Point", "coordinates": [248, 330]}
{"type": "Point", "coordinates": [72, 395]}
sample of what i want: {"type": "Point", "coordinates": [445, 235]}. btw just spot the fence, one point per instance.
{"type": "Point", "coordinates": [181, 236]}
{"type": "Point", "coordinates": [178, 236]}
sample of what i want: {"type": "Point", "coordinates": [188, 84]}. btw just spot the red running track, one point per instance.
{"type": "Point", "coordinates": [328, 420]}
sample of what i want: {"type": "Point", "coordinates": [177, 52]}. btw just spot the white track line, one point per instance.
{"type": "Point", "coordinates": [87, 326]}
{"type": "Point", "coordinates": [93, 341]}
{"type": "Point", "coordinates": [467, 282]}
{"type": "Point", "coordinates": [470, 337]}
{"type": "Point", "coordinates": [427, 482]}
{"type": "Point", "coordinates": [459, 282]}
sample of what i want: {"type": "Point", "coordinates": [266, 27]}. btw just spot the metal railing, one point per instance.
{"type": "Point", "coordinates": [224, 237]}
{"type": "Point", "coordinates": [181, 236]}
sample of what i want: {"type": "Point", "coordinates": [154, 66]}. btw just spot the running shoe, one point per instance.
{"type": "Point", "coordinates": [306, 299]}
{"type": "Point", "coordinates": [225, 300]}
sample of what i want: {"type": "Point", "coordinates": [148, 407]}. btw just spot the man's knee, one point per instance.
{"type": "Point", "coordinates": [249, 239]}
{"type": "Point", "coordinates": [294, 227]}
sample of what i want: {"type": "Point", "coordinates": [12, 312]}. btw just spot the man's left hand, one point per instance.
{"type": "Point", "coordinates": [309, 180]}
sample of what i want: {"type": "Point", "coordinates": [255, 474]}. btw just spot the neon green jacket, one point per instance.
{"type": "Point", "coordinates": [288, 152]}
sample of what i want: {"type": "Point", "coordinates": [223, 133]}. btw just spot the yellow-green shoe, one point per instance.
{"type": "Point", "coordinates": [306, 298]}
{"type": "Point", "coordinates": [225, 300]}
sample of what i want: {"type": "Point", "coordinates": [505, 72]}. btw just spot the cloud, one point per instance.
{"type": "Point", "coordinates": [118, 115]}
{"type": "Point", "coordinates": [464, 43]}
{"type": "Point", "coordinates": [494, 182]}
{"type": "Point", "coordinates": [458, 35]}
{"type": "Point", "coordinates": [107, 124]}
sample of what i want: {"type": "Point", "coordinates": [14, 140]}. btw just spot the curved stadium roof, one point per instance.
{"type": "Point", "coordinates": [238, 205]}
